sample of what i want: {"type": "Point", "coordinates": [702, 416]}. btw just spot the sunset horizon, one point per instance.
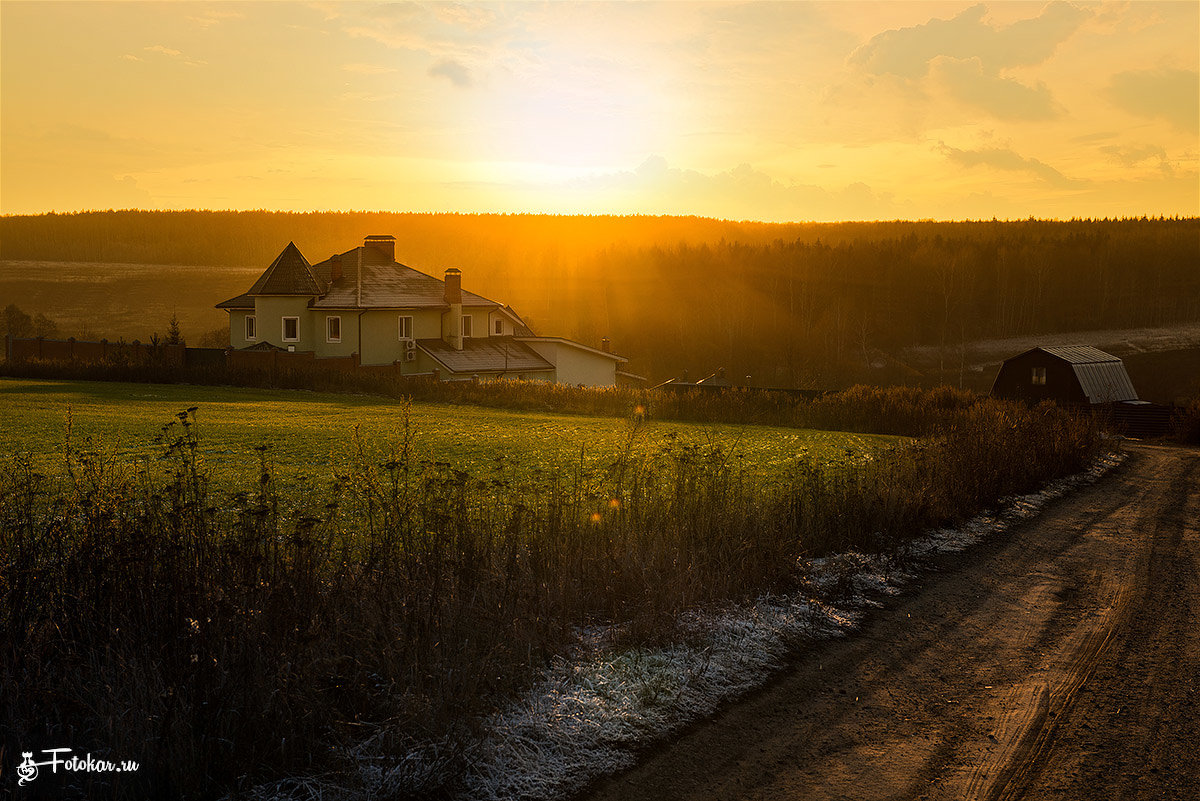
{"type": "Point", "coordinates": [773, 112]}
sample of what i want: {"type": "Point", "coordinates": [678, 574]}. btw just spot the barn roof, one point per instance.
{"type": "Point", "coordinates": [1080, 354]}
{"type": "Point", "coordinates": [485, 355]}
{"type": "Point", "coordinates": [1105, 382]}
{"type": "Point", "coordinates": [1101, 375]}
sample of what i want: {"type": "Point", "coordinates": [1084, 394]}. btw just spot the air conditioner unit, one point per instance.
{"type": "Point", "coordinates": [410, 346]}
{"type": "Point", "coordinates": [410, 355]}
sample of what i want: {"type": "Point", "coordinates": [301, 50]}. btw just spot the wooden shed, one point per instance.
{"type": "Point", "coordinates": [1078, 374]}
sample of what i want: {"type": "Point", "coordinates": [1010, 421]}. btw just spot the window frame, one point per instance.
{"type": "Point", "coordinates": [1038, 377]}
{"type": "Point", "coordinates": [251, 329]}
{"type": "Point", "coordinates": [329, 336]}
{"type": "Point", "coordinates": [283, 329]}
{"type": "Point", "coordinates": [468, 325]}
{"type": "Point", "coordinates": [401, 327]}
{"type": "Point", "coordinates": [499, 327]}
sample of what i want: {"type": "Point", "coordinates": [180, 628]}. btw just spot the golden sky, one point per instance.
{"type": "Point", "coordinates": [770, 111]}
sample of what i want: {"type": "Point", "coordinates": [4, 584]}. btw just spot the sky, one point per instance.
{"type": "Point", "coordinates": [766, 111]}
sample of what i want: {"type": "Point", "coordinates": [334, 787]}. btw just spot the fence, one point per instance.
{"type": "Point", "coordinates": [73, 350]}
{"type": "Point", "coordinates": [272, 361]}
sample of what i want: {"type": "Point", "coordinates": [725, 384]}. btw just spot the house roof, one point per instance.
{"type": "Point", "coordinates": [384, 286]}
{"type": "Point", "coordinates": [264, 346]}
{"type": "Point", "coordinates": [243, 301]}
{"type": "Point", "coordinates": [289, 274]}
{"type": "Point", "coordinates": [573, 344]}
{"type": "Point", "coordinates": [717, 379]}
{"type": "Point", "coordinates": [485, 355]}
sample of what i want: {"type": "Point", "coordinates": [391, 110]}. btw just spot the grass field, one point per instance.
{"type": "Point", "coordinates": [129, 301]}
{"type": "Point", "coordinates": [311, 435]}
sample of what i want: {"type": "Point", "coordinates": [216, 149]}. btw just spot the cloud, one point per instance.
{"type": "Point", "coordinates": [1005, 159]}
{"type": "Point", "coordinates": [908, 51]}
{"type": "Point", "coordinates": [453, 71]}
{"type": "Point", "coordinates": [1171, 94]}
{"type": "Point", "coordinates": [1131, 156]}
{"type": "Point", "coordinates": [130, 57]}
{"type": "Point", "coordinates": [367, 69]}
{"type": "Point", "coordinates": [968, 82]}
{"type": "Point", "coordinates": [212, 17]}
{"type": "Point", "coordinates": [172, 53]}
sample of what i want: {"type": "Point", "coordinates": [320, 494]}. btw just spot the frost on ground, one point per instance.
{"type": "Point", "coordinates": [598, 705]}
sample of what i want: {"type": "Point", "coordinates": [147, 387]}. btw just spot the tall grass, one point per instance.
{"type": "Point", "coordinates": [222, 641]}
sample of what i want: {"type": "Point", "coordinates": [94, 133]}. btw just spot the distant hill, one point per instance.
{"type": "Point", "coordinates": [789, 304]}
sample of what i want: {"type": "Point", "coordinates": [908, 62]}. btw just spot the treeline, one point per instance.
{"type": "Point", "coordinates": [788, 304]}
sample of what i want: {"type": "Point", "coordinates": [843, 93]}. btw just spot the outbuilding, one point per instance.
{"type": "Point", "coordinates": [1079, 374]}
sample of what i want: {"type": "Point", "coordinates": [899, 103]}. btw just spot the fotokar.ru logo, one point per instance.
{"type": "Point", "coordinates": [27, 771]}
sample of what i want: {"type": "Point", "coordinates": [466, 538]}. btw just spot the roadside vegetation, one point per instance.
{"type": "Point", "coordinates": [247, 636]}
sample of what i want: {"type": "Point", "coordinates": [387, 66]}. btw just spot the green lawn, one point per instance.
{"type": "Point", "coordinates": [310, 434]}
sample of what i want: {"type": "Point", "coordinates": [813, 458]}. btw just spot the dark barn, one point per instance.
{"type": "Point", "coordinates": [1079, 375]}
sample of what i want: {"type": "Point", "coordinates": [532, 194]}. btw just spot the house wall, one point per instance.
{"type": "Point", "coordinates": [349, 344]}
{"type": "Point", "coordinates": [270, 312]}
{"type": "Point", "coordinates": [577, 366]}
{"type": "Point", "coordinates": [237, 328]}
{"type": "Point", "coordinates": [381, 336]}
{"type": "Point", "coordinates": [506, 329]}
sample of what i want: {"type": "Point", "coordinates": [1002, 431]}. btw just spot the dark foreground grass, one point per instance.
{"type": "Point", "coordinates": [224, 641]}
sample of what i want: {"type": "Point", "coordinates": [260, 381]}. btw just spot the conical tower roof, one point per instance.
{"type": "Point", "coordinates": [289, 274]}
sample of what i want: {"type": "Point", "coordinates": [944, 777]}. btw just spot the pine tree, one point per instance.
{"type": "Point", "coordinates": [174, 336]}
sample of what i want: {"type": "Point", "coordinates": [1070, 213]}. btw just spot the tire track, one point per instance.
{"type": "Point", "coordinates": [980, 685]}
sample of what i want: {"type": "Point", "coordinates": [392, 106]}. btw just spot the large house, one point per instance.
{"type": "Point", "coordinates": [364, 302]}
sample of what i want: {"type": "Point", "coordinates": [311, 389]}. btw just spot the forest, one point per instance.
{"type": "Point", "coordinates": [800, 304]}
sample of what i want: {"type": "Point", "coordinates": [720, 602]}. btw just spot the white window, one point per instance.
{"type": "Point", "coordinates": [1039, 376]}
{"type": "Point", "coordinates": [333, 329]}
{"type": "Point", "coordinates": [405, 327]}
{"type": "Point", "coordinates": [466, 325]}
{"type": "Point", "coordinates": [499, 327]}
{"type": "Point", "coordinates": [251, 330]}
{"type": "Point", "coordinates": [291, 329]}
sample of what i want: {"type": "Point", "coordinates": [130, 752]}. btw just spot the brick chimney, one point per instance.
{"type": "Point", "coordinates": [606, 345]}
{"type": "Point", "coordinates": [379, 249]}
{"type": "Point", "coordinates": [453, 296]}
{"type": "Point", "coordinates": [335, 268]}
{"type": "Point", "coordinates": [453, 285]}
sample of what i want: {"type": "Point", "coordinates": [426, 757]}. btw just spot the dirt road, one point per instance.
{"type": "Point", "coordinates": [1059, 660]}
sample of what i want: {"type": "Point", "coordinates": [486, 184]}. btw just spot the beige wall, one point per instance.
{"type": "Point", "coordinates": [381, 336]}
{"type": "Point", "coordinates": [270, 312]}
{"type": "Point", "coordinates": [576, 366]}
{"type": "Point", "coordinates": [237, 329]}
